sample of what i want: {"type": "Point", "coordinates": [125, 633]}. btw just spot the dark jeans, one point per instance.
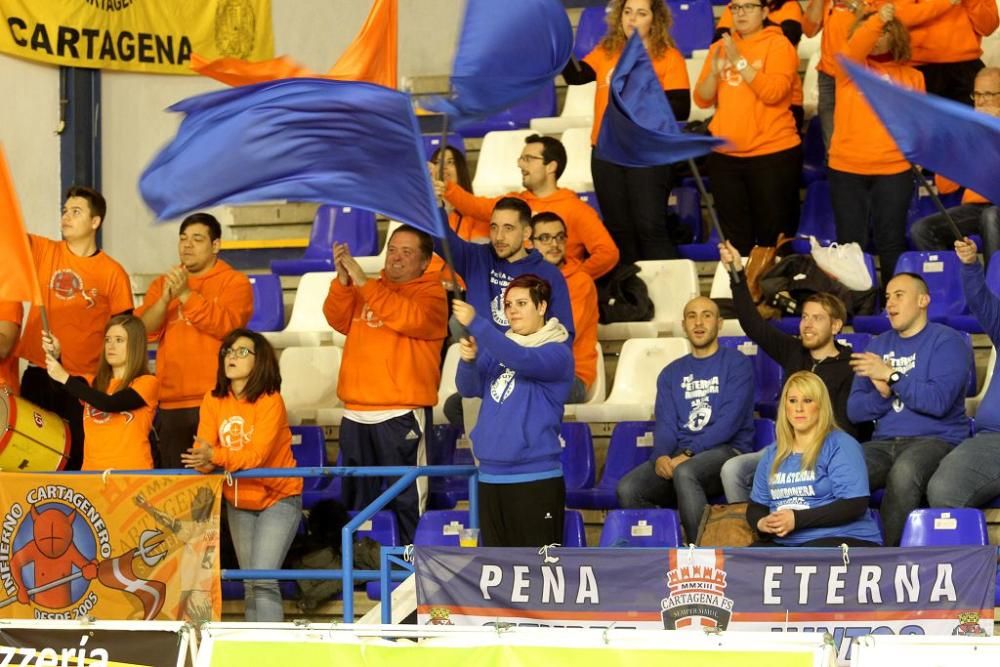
{"type": "Point", "coordinates": [903, 467]}
{"type": "Point", "coordinates": [879, 203]}
{"type": "Point", "coordinates": [526, 514]}
{"type": "Point", "coordinates": [633, 203]}
{"type": "Point", "coordinates": [693, 481]}
{"type": "Point", "coordinates": [969, 476]}
{"type": "Point", "coordinates": [757, 197]}
{"type": "Point", "coordinates": [952, 80]}
{"type": "Point", "coordinates": [46, 393]}
{"type": "Point", "coordinates": [934, 232]}
{"type": "Point", "coordinates": [175, 432]}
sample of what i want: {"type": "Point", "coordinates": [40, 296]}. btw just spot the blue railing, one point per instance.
{"type": "Point", "coordinates": [347, 574]}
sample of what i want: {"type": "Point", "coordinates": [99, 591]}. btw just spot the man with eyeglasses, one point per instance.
{"type": "Point", "coordinates": [188, 311]}
{"type": "Point", "coordinates": [976, 215]}
{"type": "Point", "coordinates": [542, 162]}
{"type": "Point", "coordinates": [549, 238]}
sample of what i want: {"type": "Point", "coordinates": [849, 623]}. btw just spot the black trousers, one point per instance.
{"type": "Point", "coordinates": [757, 198]}
{"type": "Point", "coordinates": [877, 203]}
{"type": "Point", "coordinates": [952, 80]}
{"type": "Point", "coordinates": [526, 514]}
{"type": "Point", "coordinates": [46, 393]}
{"type": "Point", "coordinates": [175, 432]}
{"type": "Point", "coordinates": [633, 204]}
{"type": "Point", "coordinates": [400, 441]}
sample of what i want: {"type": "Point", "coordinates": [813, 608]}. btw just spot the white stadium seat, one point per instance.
{"type": "Point", "coordinates": [597, 390]}
{"type": "Point", "coordinates": [308, 326]}
{"type": "Point", "coordinates": [497, 172]}
{"type": "Point", "coordinates": [810, 87]}
{"type": "Point", "coordinates": [577, 111]}
{"type": "Point", "coordinates": [694, 65]}
{"type": "Point", "coordinates": [671, 284]}
{"type": "Point", "coordinates": [722, 290]}
{"type": "Point", "coordinates": [309, 383]}
{"type": "Point", "coordinates": [577, 176]}
{"type": "Point", "coordinates": [972, 404]}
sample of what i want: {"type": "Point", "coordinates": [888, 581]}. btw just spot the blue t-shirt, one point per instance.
{"type": "Point", "coordinates": [840, 474]}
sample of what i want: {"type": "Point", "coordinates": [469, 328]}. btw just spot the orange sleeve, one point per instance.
{"type": "Point", "coordinates": [339, 306]}
{"type": "Point", "coordinates": [706, 71]}
{"type": "Point", "coordinates": [148, 387]}
{"type": "Point", "coordinates": [468, 203]}
{"type": "Point", "coordinates": [944, 185]}
{"type": "Point", "coordinates": [208, 419]}
{"type": "Point", "coordinates": [230, 311]}
{"type": "Point", "coordinates": [983, 14]}
{"type": "Point", "coordinates": [861, 43]}
{"type": "Point", "coordinates": [809, 29]}
{"type": "Point", "coordinates": [421, 314]}
{"type": "Point", "coordinates": [773, 83]}
{"type": "Point", "coordinates": [676, 76]}
{"type": "Point", "coordinates": [11, 311]}
{"type": "Point", "coordinates": [153, 295]}
{"type": "Point", "coordinates": [913, 14]}
{"type": "Point", "coordinates": [120, 291]}
{"type": "Point", "coordinates": [268, 421]}
{"type": "Point", "coordinates": [594, 236]}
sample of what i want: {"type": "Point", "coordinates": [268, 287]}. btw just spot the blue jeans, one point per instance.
{"type": "Point", "coordinates": [261, 539]}
{"type": "Point", "coordinates": [903, 467]}
{"type": "Point", "coordinates": [737, 476]}
{"type": "Point", "coordinates": [969, 476]}
{"type": "Point", "coordinates": [693, 481]}
{"type": "Point", "coordinates": [934, 232]}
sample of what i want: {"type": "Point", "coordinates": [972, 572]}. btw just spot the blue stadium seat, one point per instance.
{"type": "Point", "coordinates": [441, 445]}
{"type": "Point", "coordinates": [763, 433]}
{"type": "Point", "coordinates": [309, 451]}
{"type": "Point", "coordinates": [767, 372]}
{"type": "Point", "coordinates": [694, 24]}
{"type": "Point", "coordinates": [631, 444]}
{"type": "Point", "coordinates": [708, 251]}
{"type": "Point", "coordinates": [590, 198]}
{"type": "Point", "coordinates": [433, 141]}
{"type": "Point", "coordinates": [945, 527]}
{"type": "Point", "coordinates": [813, 154]}
{"type": "Point", "coordinates": [440, 528]}
{"type": "Point", "coordinates": [687, 206]}
{"type": "Point", "coordinates": [642, 528]}
{"type": "Point", "coordinates": [445, 492]}
{"type": "Point", "coordinates": [541, 105]}
{"type": "Point", "coordinates": [382, 528]}
{"type": "Point", "coordinates": [589, 31]}
{"type": "Point", "coordinates": [574, 532]}
{"type": "Point", "coordinates": [817, 216]}
{"type": "Point", "coordinates": [341, 224]}
{"type": "Point", "coordinates": [268, 303]}
{"type": "Point", "coordinates": [577, 455]}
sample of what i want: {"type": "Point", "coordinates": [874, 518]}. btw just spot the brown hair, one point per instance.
{"type": "Point", "coordinates": [899, 36]}
{"type": "Point", "coordinates": [464, 178]}
{"type": "Point", "coordinates": [265, 378]}
{"type": "Point", "coordinates": [424, 240]}
{"type": "Point", "coordinates": [136, 362]}
{"type": "Point", "coordinates": [95, 200]}
{"type": "Point", "coordinates": [831, 303]}
{"type": "Point", "coordinates": [538, 288]}
{"type": "Point", "coordinates": [659, 32]}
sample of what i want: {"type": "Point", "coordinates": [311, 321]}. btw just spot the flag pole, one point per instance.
{"type": "Point", "coordinates": [937, 202]}
{"type": "Point", "coordinates": [446, 246]}
{"type": "Point", "coordinates": [711, 214]}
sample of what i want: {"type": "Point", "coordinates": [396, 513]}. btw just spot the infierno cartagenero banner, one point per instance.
{"type": "Point", "coordinates": [136, 35]}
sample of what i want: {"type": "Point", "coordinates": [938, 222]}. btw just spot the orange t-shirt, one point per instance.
{"type": "Point", "coordinates": [754, 118]}
{"type": "Point", "coordinates": [860, 142]}
{"type": "Point", "coordinates": [250, 435]}
{"type": "Point", "coordinates": [187, 357]}
{"type": "Point", "coordinates": [669, 68]}
{"type": "Point", "coordinates": [11, 311]}
{"type": "Point", "coordinates": [120, 440]}
{"type": "Point", "coordinates": [81, 294]}
{"type": "Point", "coordinates": [583, 300]}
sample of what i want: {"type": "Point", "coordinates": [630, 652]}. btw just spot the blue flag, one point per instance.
{"type": "Point", "coordinates": [952, 139]}
{"type": "Point", "coordinates": [508, 50]}
{"type": "Point", "coordinates": [639, 128]}
{"type": "Point", "coordinates": [314, 140]}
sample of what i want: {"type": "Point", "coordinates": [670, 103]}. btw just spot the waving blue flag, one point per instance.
{"type": "Point", "coordinates": [508, 50]}
{"type": "Point", "coordinates": [315, 140]}
{"type": "Point", "coordinates": [639, 128]}
{"type": "Point", "coordinates": [952, 139]}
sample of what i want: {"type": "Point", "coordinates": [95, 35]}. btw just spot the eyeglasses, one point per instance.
{"type": "Point", "coordinates": [743, 9]}
{"type": "Point", "coordinates": [976, 96]}
{"type": "Point", "coordinates": [240, 352]}
{"type": "Point", "coordinates": [549, 238]}
{"type": "Point", "coordinates": [527, 158]}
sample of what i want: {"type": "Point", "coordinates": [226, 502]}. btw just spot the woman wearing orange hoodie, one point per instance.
{"type": "Point", "coordinates": [749, 78]}
{"type": "Point", "coordinates": [869, 178]}
{"type": "Point", "coordinates": [633, 200]}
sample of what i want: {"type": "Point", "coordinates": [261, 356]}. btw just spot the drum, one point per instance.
{"type": "Point", "coordinates": [31, 439]}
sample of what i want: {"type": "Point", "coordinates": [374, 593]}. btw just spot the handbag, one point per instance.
{"type": "Point", "coordinates": [760, 261]}
{"type": "Point", "coordinates": [725, 526]}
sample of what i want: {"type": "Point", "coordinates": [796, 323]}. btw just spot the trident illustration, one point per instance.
{"type": "Point", "coordinates": [149, 549]}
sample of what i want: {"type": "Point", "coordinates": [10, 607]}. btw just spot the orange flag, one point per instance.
{"type": "Point", "coordinates": [18, 280]}
{"type": "Point", "coordinates": [372, 57]}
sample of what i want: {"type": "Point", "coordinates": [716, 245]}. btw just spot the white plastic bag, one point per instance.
{"type": "Point", "coordinates": [845, 262]}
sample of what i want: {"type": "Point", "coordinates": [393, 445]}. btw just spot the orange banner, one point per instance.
{"type": "Point", "coordinates": [128, 547]}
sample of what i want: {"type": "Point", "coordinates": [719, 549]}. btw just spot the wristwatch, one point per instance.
{"type": "Point", "coordinates": [741, 64]}
{"type": "Point", "coordinates": [894, 377]}
{"type": "Point", "coordinates": [688, 453]}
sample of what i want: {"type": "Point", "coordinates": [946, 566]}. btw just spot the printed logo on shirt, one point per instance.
{"type": "Point", "coordinates": [730, 75]}
{"type": "Point", "coordinates": [233, 433]}
{"type": "Point", "coordinates": [904, 365]}
{"type": "Point", "coordinates": [496, 308]}
{"type": "Point", "coordinates": [66, 283]}
{"type": "Point", "coordinates": [502, 387]}
{"type": "Point", "coordinates": [790, 490]}
{"type": "Point", "coordinates": [97, 416]}
{"type": "Point", "coordinates": [698, 392]}
{"type": "Point", "coordinates": [369, 317]}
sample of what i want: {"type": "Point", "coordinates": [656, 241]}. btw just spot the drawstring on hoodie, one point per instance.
{"type": "Point", "coordinates": [235, 483]}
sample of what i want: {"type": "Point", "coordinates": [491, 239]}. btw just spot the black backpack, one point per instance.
{"type": "Point", "coordinates": [622, 296]}
{"type": "Point", "coordinates": [795, 277]}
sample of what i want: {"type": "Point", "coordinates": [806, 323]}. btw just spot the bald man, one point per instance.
{"type": "Point", "coordinates": [704, 417]}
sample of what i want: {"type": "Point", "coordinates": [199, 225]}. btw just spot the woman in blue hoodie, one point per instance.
{"type": "Point", "coordinates": [524, 378]}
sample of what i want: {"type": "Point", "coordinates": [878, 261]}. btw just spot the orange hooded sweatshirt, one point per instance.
{"type": "Point", "coordinates": [860, 143]}
{"type": "Point", "coordinates": [246, 435]}
{"type": "Point", "coordinates": [587, 237]}
{"type": "Point", "coordinates": [941, 32]}
{"type": "Point", "coordinates": [947, 186]}
{"type": "Point", "coordinates": [188, 354]}
{"type": "Point", "coordinates": [394, 332]}
{"type": "Point", "coordinates": [583, 301]}
{"type": "Point", "coordinates": [754, 118]}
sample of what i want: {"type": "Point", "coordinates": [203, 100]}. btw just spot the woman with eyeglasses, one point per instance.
{"type": "Point", "coordinates": [811, 487]}
{"type": "Point", "coordinates": [243, 424]}
{"type": "Point", "coordinates": [871, 184]}
{"type": "Point", "coordinates": [749, 77]}
{"type": "Point", "coordinates": [118, 405]}
{"type": "Point", "coordinates": [633, 200]}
